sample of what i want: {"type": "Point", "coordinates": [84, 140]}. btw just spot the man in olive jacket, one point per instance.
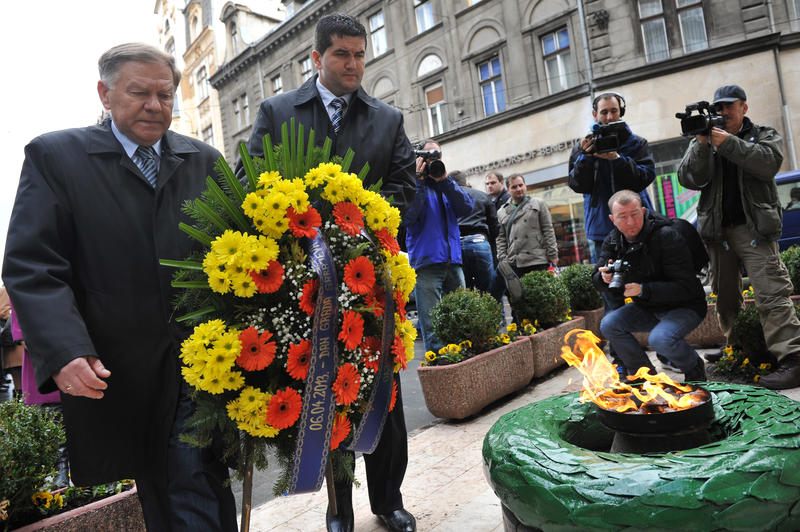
{"type": "Point", "coordinates": [739, 218]}
{"type": "Point", "coordinates": [95, 210]}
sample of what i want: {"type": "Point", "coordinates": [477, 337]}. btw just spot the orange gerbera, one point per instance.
{"type": "Point", "coordinates": [376, 300]}
{"type": "Point", "coordinates": [352, 329]}
{"type": "Point", "coordinates": [399, 352]}
{"type": "Point", "coordinates": [269, 280]}
{"type": "Point", "coordinates": [341, 428]}
{"type": "Point", "coordinates": [394, 396]}
{"type": "Point", "coordinates": [283, 408]}
{"type": "Point", "coordinates": [346, 385]}
{"type": "Point", "coordinates": [297, 359]}
{"type": "Point", "coordinates": [370, 349]}
{"type": "Point", "coordinates": [308, 297]}
{"type": "Point", "coordinates": [400, 304]}
{"type": "Point", "coordinates": [388, 242]}
{"type": "Point", "coordinates": [348, 217]}
{"type": "Point", "coordinates": [359, 275]}
{"type": "Point", "coordinates": [304, 224]}
{"type": "Point", "coordinates": [257, 351]}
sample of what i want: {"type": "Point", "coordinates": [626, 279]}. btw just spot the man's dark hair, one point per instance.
{"type": "Point", "coordinates": [337, 24]}
{"type": "Point", "coordinates": [497, 175]}
{"type": "Point", "coordinates": [459, 177]}
{"type": "Point", "coordinates": [512, 177]}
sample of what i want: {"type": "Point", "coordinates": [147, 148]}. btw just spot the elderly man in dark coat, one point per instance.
{"type": "Point", "coordinates": [333, 104]}
{"type": "Point", "coordinates": [95, 210]}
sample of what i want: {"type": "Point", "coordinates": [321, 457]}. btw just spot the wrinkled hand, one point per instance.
{"type": "Point", "coordinates": [610, 156]}
{"type": "Point", "coordinates": [605, 274]}
{"type": "Point", "coordinates": [587, 144]}
{"type": "Point", "coordinates": [83, 377]}
{"type": "Point", "coordinates": [632, 289]}
{"type": "Point", "coordinates": [718, 136]}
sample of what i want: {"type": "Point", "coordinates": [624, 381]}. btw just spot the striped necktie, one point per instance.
{"type": "Point", "coordinates": [338, 112]}
{"type": "Point", "coordinates": [146, 162]}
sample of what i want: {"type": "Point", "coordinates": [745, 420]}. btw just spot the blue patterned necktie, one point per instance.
{"type": "Point", "coordinates": [146, 162]}
{"type": "Point", "coordinates": [338, 112]}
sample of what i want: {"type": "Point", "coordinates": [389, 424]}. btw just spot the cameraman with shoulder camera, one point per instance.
{"type": "Point", "coordinates": [432, 236]}
{"type": "Point", "coordinates": [739, 218]}
{"type": "Point", "coordinates": [646, 259]}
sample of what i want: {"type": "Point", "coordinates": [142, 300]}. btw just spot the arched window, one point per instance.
{"type": "Point", "coordinates": [428, 64]}
{"type": "Point", "coordinates": [234, 33]}
{"type": "Point", "coordinates": [193, 27]}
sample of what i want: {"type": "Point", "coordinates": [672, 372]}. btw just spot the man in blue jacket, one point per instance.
{"type": "Point", "coordinates": [433, 240]}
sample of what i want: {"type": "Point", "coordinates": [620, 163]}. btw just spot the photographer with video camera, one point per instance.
{"type": "Point", "coordinates": [739, 217]}
{"type": "Point", "coordinates": [646, 258]}
{"type": "Point", "coordinates": [432, 236]}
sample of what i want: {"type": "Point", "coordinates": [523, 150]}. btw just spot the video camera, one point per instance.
{"type": "Point", "coordinates": [434, 167]}
{"type": "Point", "coordinates": [606, 136]}
{"type": "Point", "coordinates": [702, 122]}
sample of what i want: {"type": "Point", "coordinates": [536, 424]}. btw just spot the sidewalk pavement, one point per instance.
{"type": "Point", "coordinates": [444, 485]}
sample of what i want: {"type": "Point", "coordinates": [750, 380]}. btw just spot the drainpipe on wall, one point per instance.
{"type": "Point", "coordinates": [586, 51]}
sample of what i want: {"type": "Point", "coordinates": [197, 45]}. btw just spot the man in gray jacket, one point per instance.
{"type": "Point", "coordinates": [739, 218]}
{"type": "Point", "coordinates": [526, 239]}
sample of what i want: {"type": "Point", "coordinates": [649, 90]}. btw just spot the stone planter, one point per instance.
{"type": "Point", "coordinates": [592, 319]}
{"type": "Point", "coordinates": [461, 390]}
{"type": "Point", "coordinates": [546, 346]}
{"type": "Point", "coordinates": [118, 512]}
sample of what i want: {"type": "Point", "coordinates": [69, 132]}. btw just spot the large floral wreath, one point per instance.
{"type": "Point", "coordinates": [299, 296]}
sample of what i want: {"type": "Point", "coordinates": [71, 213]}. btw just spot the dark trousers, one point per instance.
{"type": "Point", "coordinates": [193, 495]}
{"type": "Point", "coordinates": [385, 467]}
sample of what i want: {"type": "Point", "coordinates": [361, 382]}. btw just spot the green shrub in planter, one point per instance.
{"type": "Point", "coordinates": [29, 441]}
{"type": "Point", "coordinates": [582, 293]}
{"type": "Point", "coordinates": [545, 300]}
{"type": "Point", "coordinates": [748, 336]}
{"type": "Point", "coordinates": [467, 315]}
{"type": "Point", "coordinates": [791, 258]}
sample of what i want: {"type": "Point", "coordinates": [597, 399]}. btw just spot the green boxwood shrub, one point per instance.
{"type": "Point", "coordinates": [791, 258]}
{"type": "Point", "coordinates": [545, 300]}
{"type": "Point", "coordinates": [467, 315]}
{"type": "Point", "coordinates": [747, 335]}
{"type": "Point", "coordinates": [582, 293]}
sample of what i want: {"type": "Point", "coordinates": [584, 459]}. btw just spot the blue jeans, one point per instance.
{"type": "Point", "coordinates": [594, 249]}
{"type": "Point", "coordinates": [477, 263]}
{"type": "Point", "coordinates": [667, 330]}
{"type": "Point", "coordinates": [433, 282]}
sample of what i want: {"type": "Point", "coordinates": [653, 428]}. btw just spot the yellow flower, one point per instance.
{"type": "Point", "coordinates": [226, 246]}
{"type": "Point", "coordinates": [728, 350]}
{"type": "Point", "coordinates": [430, 356]}
{"type": "Point", "coordinates": [505, 338]}
{"type": "Point", "coordinates": [314, 178]}
{"type": "Point", "coordinates": [745, 362]}
{"type": "Point", "coordinates": [58, 500]}
{"type": "Point", "coordinates": [243, 285]}
{"type": "Point", "coordinates": [235, 410]}
{"type": "Point", "coordinates": [512, 327]}
{"type": "Point", "coordinates": [233, 380]}
{"type": "Point", "coordinates": [212, 385]}
{"type": "Point", "coordinates": [4, 509]}
{"type": "Point", "coordinates": [275, 204]}
{"type": "Point", "coordinates": [465, 344]}
{"type": "Point", "coordinates": [42, 498]}
{"type": "Point", "coordinates": [756, 378]}
{"type": "Point", "coordinates": [266, 179]}
{"type": "Point", "coordinates": [253, 205]}
{"type": "Point", "coordinates": [525, 322]}
{"type": "Point", "coordinates": [528, 328]}
{"type": "Point", "coordinates": [764, 366]}
{"type": "Point", "coordinates": [219, 282]}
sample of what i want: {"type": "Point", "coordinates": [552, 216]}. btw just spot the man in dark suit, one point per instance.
{"type": "Point", "coordinates": [333, 104]}
{"type": "Point", "coordinates": [95, 210]}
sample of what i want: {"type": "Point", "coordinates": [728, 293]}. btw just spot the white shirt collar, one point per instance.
{"type": "Point", "coordinates": [327, 97]}
{"type": "Point", "coordinates": [128, 145]}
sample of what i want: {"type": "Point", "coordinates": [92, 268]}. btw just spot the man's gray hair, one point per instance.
{"type": "Point", "coordinates": [624, 197]}
{"type": "Point", "coordinates": [113, 59]}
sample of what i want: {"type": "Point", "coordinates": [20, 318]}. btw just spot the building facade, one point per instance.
{"type": "Point", "coordinates": [507, 85]}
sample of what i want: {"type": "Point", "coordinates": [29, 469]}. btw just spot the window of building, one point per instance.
{"type": "Point", "coordinates": [429, 63]}
{"type": "Point", "coordinates": [234, 40]}
{"type": "Point", "coordinates": [473, 2]}
{"type": "Point", "coordinates": [201, 80]}
{"type": "Point", "coordinates": [377, 31]}
{"type": "Point", "coordinates": [171, 47]}
{"type": "Point", "coordinates": [305, 68]}
{"type": "Point", "coordinates": [208, 135]}
{"type": "Point", "coordinates": [654, 30]}
{"type": "Point", "coordinates": [277, 84]}
{"type": "Point", "coordinates": [692, 24]}
{"type": "Point", "coordinates": [558, 62]}
{"type": "Point", "coordinates": [436, 108]}
{"type": "Point", "coordinates": [194, 26]}
{"type": "Point", "coordinates": [491, 83]}
{"type": "Point", "coordinates": [166, 25]}
{"type": "Point", "coordinates": [237, 113]}
{"type": "Point", "coordinates": [423, 11]}
{"type": "Point", "coordinates": [245, 109]}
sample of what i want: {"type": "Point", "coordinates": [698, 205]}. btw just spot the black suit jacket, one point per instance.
{"type": "Point", "coordinates": [371, 128]}
{"type": "Point", "coordinates": [81, 266]}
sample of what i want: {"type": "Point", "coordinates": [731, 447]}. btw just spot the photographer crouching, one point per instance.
{"type": "Point", "coordinates": [644, 258]}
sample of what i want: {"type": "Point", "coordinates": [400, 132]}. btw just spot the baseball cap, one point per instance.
{"type": "Point", "coordinates": [729, 93]}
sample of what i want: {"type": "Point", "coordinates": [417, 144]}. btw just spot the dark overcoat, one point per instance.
{"type": "Point", "coordinates": [373, 129]}
{"type": "Point", "coordinates": [81, 264]}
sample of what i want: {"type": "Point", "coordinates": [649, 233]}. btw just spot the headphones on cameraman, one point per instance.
{"type": "Point", "coordinates": [616, 95]}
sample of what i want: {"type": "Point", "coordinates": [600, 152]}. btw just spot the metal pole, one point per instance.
{"type": "Point", "coordinates": [787, 123]}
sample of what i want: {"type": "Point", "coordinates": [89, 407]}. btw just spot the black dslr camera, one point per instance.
{"type": "Point", "coordinates": [618, 268]}
{"type": "Point", "coordinates": [434, 167]}
{"type": "Point", "coordinates": [702, 122]}
{"type": "Point", "coordinates": [607, 136]}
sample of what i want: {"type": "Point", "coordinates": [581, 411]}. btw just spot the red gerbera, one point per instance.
{"type": "Point", "coordinates": [352, 329]}
{"type": "Point", "coordinates": [399, 352]}
{"type": "Point", "coordinates": [345, 387]}
{"type": "Point", "coordinates": [370, 349]}
{"type": "Point", "coordinates": [283, 408]}
{"type": "Point", "coordinates": [297, 359]}
{"type": "Point", "coordinates": [394, 396]}
{"type": "Point", "coordinates": [269, 280]}
{"type": "Point", "coordinates": [400, 304]}
{"type": "Point", "coordinates": [348, 216]}
{"type": "Point", "coordinates": [308, 298]}
{"type": "Point", "coordinates": [376, 301]}
{"type": "Point", "coordinates": [359, 275]}
{"type": "Point", "coordinates": [341, 428]}
{"type": "Point", "coordinates": [304, 224]}
{"type": "Point", "coordinates": [257, 351]}
{"type": "Point", "coordinates": [388, 242]}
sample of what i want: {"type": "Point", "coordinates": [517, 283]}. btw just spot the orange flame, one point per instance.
{"type": "Point", "coordinates": [602, 386]}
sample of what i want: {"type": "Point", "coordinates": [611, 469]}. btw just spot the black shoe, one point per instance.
{"type": "Point", "coordinates": [399, 521]}
{"type": "Point", "coordinates": [786, 376]}
{"type": "Point", "coordinates": [666, 363]}
{"type": "Point", "coordinates": [512, 281]}
{"type": "Point", "coordinates": [697, 373]}
{"type": "Point", "coordinates": [342, 522]}
{"type": "Point", "coordinates": [714, 356]}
